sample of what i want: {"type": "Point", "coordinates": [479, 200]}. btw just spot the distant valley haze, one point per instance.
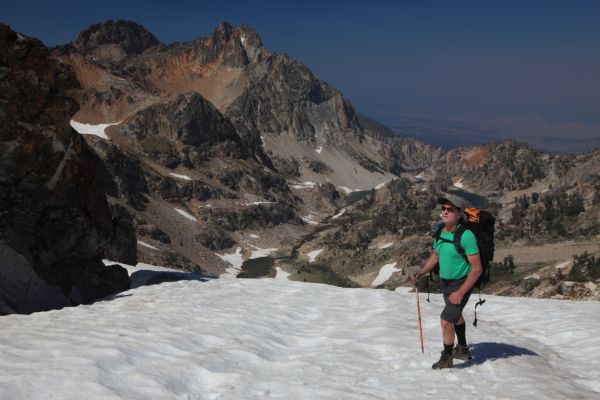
{"type": "Point", "coordinates": [448, 73]}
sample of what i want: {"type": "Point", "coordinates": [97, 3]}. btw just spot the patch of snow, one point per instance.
{"type": "Point", "coordinates": [336, 216]}
{"type": "Point", "coordinates": [262, 140]}
{"type": "Point", "coordinates": [312, 256]}
{"type": "Point", "coordinates": [88, 129]}
{"type": "Point", "coordinates": [147, 245]}
{"type": "Point", "coordinates": [384, 274]}
{"type": "Point", "coordinates": [304, 185]}
{"type": "Point", "coordinates": [253, 236]}
{"type": "Point", "coordinates": [380, 186]}
{"type": "Point", "coordinates": [69, 152]}
{"type": "Point", "coordinates": [281, 274]}
{"type": "Point", "coordinates": [348, 190]}
{"type": "Point", "coordinates": [459, 183]}
{"type": "Point", "coordinates": [562, 265]}
{"type": "Point", "coordinates": [260, 202]}
{"type": "Point", "coordinates": [184, 177]}
{"type": "Point", "coordinates": [420, 176]}
{"type": "Point", "coordinates": [273, 338]}
{"type": "Point", "coordinates": [186, 214]}
{"type": "Point", "coordinates": [243, 40]}
{"type": "Point", "coordinates": [235, 259]}
{"type": "Point", "coordinates": [532, 276]}
{"type": "Point", "coordinates": [309, 220]}
{"type": "Point", "coordinates": [385, 246]}
{"type": "Point", "coordinates": [319, 149]}
{"type": "Point", "coordinates": [258, 252]}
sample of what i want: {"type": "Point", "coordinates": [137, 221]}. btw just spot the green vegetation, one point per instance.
{"type": "Point", "coordinates": [553, 214]}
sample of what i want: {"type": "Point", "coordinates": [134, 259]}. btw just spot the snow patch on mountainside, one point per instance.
{"type": "Point", "coordinates": [385, 273]}
{"type": "Point", "coordinates": [89, 129]}
{"type": "Point", "coordinates": [312, 256]}
{"type": "Point", "coordinates": [186, 214]}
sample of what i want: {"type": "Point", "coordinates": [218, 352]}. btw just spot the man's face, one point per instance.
{"type": "Point", "coordinates": [450, 214]}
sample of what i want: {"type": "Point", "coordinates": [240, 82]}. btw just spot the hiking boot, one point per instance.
{"type": "Point", "coordinates": [461, 352]}
{"type": "Point", "coordinates": [444, 362]}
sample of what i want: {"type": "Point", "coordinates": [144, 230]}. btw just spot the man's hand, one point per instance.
{"type": "Point", "coordinates": [456, 297]}
{"type": "Point", "coordinates": [415, 277]}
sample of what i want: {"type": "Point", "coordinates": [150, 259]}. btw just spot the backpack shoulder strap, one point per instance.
{"type": "Point", "coordinates": [457, 236]}
{"type": "Point", "coordinates": [438, 232]}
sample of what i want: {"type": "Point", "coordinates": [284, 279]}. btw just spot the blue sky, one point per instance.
{"type": "Point", "coordinates": [528, 70]}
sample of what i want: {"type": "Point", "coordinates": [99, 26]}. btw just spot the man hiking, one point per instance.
{"type": "Point", "coordinates": [457, 278]}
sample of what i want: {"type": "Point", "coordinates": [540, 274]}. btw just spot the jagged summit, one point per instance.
{"type": "Point", "coordinates": [247, 35]}
{"type": "Point", "coordinates": [130, 36]}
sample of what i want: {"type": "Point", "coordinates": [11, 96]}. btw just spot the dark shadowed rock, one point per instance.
{"type": "Point", "coordinates": [185, 130]}
{"type": "Point", "coordinates": [215, 239]}
{"type": "Point", "coordinates": [55, 218]}
{"type": "Point", "coordinates": [129, 36]}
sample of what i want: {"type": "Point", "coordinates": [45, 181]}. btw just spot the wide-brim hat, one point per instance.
{"type": "Point", "coordinates": [455, 200]}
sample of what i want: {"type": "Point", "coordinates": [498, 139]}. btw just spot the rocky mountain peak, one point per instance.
{"type": "Point", "coordinates": [131, 37]}
{"type": "Point", "coordinates": [237, 47]}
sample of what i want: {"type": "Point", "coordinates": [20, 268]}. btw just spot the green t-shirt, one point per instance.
{"type": "Point", "coordinates": [452, 264]}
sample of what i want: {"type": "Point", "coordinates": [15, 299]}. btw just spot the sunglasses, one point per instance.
{"type": "Point", "coordinates": [449, 209]}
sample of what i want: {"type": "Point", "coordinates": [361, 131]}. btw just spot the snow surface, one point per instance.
{"type": "Point", "coordinates": [253, 236]}
{"type": "Point", "coordinates": [348, 190]}
{"type": "Point", "coordinates": [459, 183]}
{"type": "Point", "coordinates": [304, 185]}
{"type": "Point", "coordinates": [258, 252]}
{"type": "Point", "coordinates": [309, 220]}
{"type": "Point", "coordinates": [89, 129]}
{"type": "Point", "coordinates": [385, 246]}
{"type": "Point", "coordinates": [319, 149]}
{"type": "Point", "coordinates": [336, 216]}
{"type": "Point", "coordinates": [186, 214]}
{"type": "Point", "coordinates": [281, 274]}
{"type": "Point", "coordinates": [312, 256]}
{"type": "Point", "coordinates": [384, 274]}
{"type": "Point", "coordinates": [256, 203]}
{"type": "Point", "coordinates": [184, 177]}
{"type": "Point", "coordinates": [279, 339]}
{"type": "Point", "coordinates": [235, 259]}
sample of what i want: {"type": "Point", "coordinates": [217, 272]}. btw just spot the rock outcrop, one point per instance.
{"type": "Point", "coordinates": [56, 223]}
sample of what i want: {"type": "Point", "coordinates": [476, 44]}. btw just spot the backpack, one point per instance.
{"type": "Point", "coordinates": [481, 223]}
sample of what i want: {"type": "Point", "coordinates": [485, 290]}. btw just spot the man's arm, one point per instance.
{"type": "Point", "coordinates": [429, 265]}
{"type": "Point", "coordinates": [476, 270]}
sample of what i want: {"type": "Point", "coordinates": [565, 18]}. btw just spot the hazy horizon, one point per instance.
{"type": "Point", "coordinates": [517, 70]}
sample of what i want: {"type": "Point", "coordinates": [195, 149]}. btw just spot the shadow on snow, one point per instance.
{"type": "Point", "coordinates": [490, 351]}
{"type": "Point", "coordinates": [148, 277]}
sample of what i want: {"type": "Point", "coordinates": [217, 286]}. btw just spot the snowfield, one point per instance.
{"type": "Point", "coordinates": [278, 339]}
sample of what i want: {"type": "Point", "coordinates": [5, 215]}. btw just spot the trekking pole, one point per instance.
{"type": "Point", "coordinates": [419, 314]}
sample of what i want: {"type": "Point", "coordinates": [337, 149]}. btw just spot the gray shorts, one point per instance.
{"type": "Point", "coordinates": [452, 312]}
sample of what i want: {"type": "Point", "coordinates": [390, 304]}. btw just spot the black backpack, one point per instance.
{"type": "Point", "coordinates": [481, 223]}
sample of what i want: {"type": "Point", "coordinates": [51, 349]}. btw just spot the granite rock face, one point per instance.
{"type": "Point", "coordinates": [56, 225]}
